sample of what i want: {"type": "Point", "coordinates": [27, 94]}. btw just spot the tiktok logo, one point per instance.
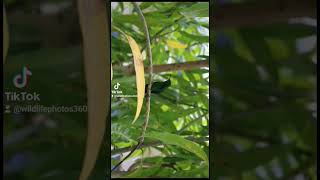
{"type": "Point", "coordinates": [21, 80]}
{"type": "Point", "coordinates": [116, 86]}
{"type": "Point", "coordinates": [116, 91]}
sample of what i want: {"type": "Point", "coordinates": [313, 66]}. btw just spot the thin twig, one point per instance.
{"type": "Point", "coordinates": [166, 33]}
{"type": "Point", "coordinates": [149, 55]}
{"type": "Point", "coordinates": [157, 34]}
{"type": "Point", "coordinates": [148, 97]}
{"type": "Point", "coordinates": [127, 149]}
{"type": "Point", "coordinates": [131, 152]}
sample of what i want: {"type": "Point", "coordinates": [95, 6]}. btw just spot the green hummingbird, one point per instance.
{"type": "Point", "coordinates": [158, 87]}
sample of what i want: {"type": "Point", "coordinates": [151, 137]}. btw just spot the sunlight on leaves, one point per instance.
{"type": "Point", "coordinates": [175, 44]}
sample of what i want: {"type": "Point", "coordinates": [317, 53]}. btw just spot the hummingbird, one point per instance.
{"type": "Point", "coordinates": [158, 87]}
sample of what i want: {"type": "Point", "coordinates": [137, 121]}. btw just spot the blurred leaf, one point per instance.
{"type": "Point", "coordinates": [278, 48]}
{"type": "Point", "coordinates": [96, 42]}
{"type": "Point", "coordinates": [262, 54]}
{"type": "Point", "coordinates": [230, 162]}
{"type": "Point", "coordinates": [282, 31]}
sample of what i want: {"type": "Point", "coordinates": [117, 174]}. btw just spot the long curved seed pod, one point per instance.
{"type": "Point", "coordinates": [5, 35]}
{"type": "Point", "coordinates": [96, 44]}
{"type": "Point", "coordinates": [139, 68]}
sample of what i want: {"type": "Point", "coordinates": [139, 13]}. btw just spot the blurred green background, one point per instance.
{"type": "Point", "coordinates": [263, 89]}
{"type": "Point", "coordinates": [263, 112]}
{"type": "Point", "coordinates": [45, 37]}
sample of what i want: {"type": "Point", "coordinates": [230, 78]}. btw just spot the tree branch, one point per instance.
{"type": "Point", "coordinates": [129, 70]}
{"type": "Point", "coordinates": [150, 69]}
{"type": "Point", "coordinates": [261, 12]}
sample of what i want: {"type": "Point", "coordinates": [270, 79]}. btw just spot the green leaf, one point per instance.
{"type": "Point", "coordinates": [200, 9]}
{"type": "Point", "coordinates": [149, 172]}
{"type": "Point", "coordinates": [198, 38]}
{"type": "Point", "coordinates": [145, 5]}
{"type": "Point", "coordinates": [173, 139]}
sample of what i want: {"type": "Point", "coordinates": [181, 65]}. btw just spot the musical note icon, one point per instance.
{"type": "Point", "coordinates": [21, 80]}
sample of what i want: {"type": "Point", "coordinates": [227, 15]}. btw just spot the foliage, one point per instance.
{"type": "Point", "coordinates": [264, 92]}
{"type": "Point", "coordinates": [179, 33]}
